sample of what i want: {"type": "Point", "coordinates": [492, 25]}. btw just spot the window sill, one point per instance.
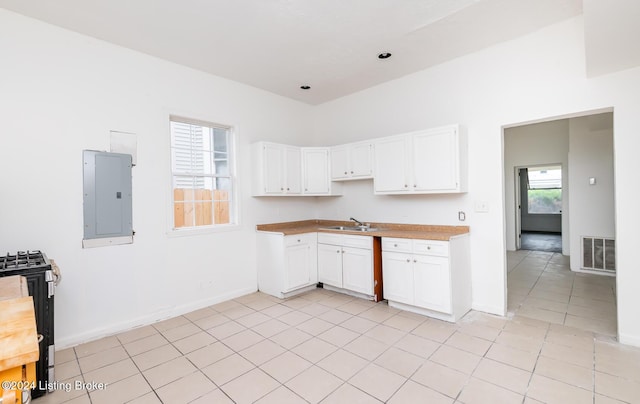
{"type": "Point", "coordinates": [202, 230]}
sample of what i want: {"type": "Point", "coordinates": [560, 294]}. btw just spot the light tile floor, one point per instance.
{"type": "Point", "coordinates": [331, 348]}
{"type": "Point", "coordinates": [540, 285]}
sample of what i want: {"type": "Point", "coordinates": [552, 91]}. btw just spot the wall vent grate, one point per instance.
{"type": "Point", "coordinates": [598, 253]}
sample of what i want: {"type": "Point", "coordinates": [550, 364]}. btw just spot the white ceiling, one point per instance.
{"type": "Point", "coordinates": [279, 45]}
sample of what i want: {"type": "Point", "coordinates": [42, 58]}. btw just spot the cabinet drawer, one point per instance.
{"type": "Point", "coordinates": [357, 241]}
{"type": "Point", "coordinates": [295, 239]}
{"type": "Point", "coordinates": [431, 247]}
{"type": "Point", "coordinates": [396, 244]}
{"type": "Point", "coordinates": [330, 238]}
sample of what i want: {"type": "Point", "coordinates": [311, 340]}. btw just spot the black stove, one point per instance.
{"type": "Point", "coordinates": [23, 260]}
{"type": "Point", "coordinates": [41, 279]}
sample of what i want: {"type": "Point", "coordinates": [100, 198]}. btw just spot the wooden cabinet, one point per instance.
{"type": "Point", "coordinates": [352, 161]}
{"type": "Point", "coordinates": [286, 264]}
{"type": "Point", "coordinates": [430, 277]}
{"type": "Point", "coordinates": [429, 161]}
{"type": "Point", "coordinates": [346, 262]}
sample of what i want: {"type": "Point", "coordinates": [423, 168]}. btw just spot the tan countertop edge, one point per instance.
{"type": "Point", "coordinates": [415, 231]}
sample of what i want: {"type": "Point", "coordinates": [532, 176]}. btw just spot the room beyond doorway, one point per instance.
{"type": "Point", "coordinates": [540, 241]}
{"type": "Point", "coordinates": [539, 204]}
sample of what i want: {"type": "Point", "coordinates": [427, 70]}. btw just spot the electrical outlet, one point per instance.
{"type": "Point", "coordinates": [461, 216]}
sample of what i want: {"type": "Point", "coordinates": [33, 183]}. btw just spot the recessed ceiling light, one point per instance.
{"type": "Point", "coordinates": [384, 55]}
{"type": "Point", "coordinates": [305, 87]}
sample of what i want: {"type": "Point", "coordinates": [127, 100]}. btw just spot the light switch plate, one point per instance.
{"type": "Point", "coordinates": [482, 206]}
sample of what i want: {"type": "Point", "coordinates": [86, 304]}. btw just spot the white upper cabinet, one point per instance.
{"type": "Point", "coordinates": [283, 170]}
{"type": "Point", "coordinates": [277, 169]}
{"type": "Point", "coordinates": [428, 161]}
{"type": "Point", "coordinates": [352, 161]}
{"type": "Point", "coordinates": [391, 165]}
{"type": "Point", "coordinates": [315, 171]}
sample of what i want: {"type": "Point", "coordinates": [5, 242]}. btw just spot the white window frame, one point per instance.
{"type": "Point", "coordinates": [233, 194]}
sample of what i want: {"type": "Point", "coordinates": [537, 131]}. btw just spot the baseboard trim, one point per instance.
{"type": "Point", "coordinates": [151, 318]}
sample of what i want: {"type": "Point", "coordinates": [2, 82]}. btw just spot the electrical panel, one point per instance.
{"type": "Point", "coordinates": [107, 197]}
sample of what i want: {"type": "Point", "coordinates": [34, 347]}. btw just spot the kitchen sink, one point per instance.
{"type": "Point", "coordinates": [351, 228]}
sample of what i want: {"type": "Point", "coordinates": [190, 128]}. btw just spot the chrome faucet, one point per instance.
{"type": "Point", "coordinates": [359, 223]}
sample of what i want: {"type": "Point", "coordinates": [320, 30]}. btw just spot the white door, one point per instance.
{"type": "Point", "coordinates": [298, 268]}
{"type": "Point", "coordinates": [432, 288]}
{"type": "Point", "coordinates": [518, 207]}
{"type": "Point", "coordinates": [435, 160]}
{"type": "Point", "coordinates": [390, 162]}
{"type": "Point", "coordinates": [357, 270]}
{"type": "Point", "coordinates": [293, 170]}
{"type": "Point", "coordinates": [330, 265]}
{"type": "Point", "coordinates": [397, 277]}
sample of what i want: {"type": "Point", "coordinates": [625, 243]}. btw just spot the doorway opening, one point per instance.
{"type": "Point", "coordinates": [539, 206]}
{"type": "Point", "coordinates": [573, 203]}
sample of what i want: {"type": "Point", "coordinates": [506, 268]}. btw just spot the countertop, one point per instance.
{"type": "Point", "coordinates": [414, 231]}
{"type": "Point", "coordinates": [17, 324]}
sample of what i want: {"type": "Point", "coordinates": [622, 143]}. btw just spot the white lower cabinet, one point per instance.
{"type": "Point", "coordinates": [287, 265]}
{"type": "Point", "coordinates": [346, 262]}
{"type": "Point", "coordinates": [330, 264]}
{"type": "Point", "coordinates": [428, 276]}
{"type": "Point", "coordinates": [432, 286]}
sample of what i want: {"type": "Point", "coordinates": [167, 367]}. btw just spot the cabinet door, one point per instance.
{"type": "Point", "coordinates": [390, 162]}
{"type": "Point", "coordinates": [298, 266]}
{"type": "Point", "coordinates": [431, 281]}
{"type": "Point", "coordinates": [330, 264]}
{"type": "Point", "coordinates": [340, 162]}
{"type": "Point", "coordinates": [273, 169]}
{"type": "Point", "coordinates": [435, 160]}
{"type": "Point", "coordinates": [397, 277]}
{"type": "Point", "coordinates": [316, 170]}
{"type": "Point", "coordinates": [293, 170]}
{"type": "Point", "coordinates": [357, 270]}
{"type": "Point", "coordinates": [361, 156]}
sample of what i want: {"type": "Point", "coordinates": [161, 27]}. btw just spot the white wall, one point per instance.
{"type": "Point", "coordinates": [60, 93]}
{"type": "Point", "coordinates": [591, 155]}
{"type": "Point", "coordinates": [533, 78]}
{"type": "Point", "coordinates": [531, 145]}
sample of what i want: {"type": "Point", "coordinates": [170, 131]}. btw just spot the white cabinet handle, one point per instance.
{"type": "Point", "coordinates": [345, 172]}
{"type": "Point", "coordinates": [395, 245]}
{"type": "Point", "coordinates": [408, 260]}
{"type": "Point", "coordinates": [338, 251]}
{"type": "Point", "coordinates": [428, 247]}
{"type": "Point", "coordinates": [415, 260]}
